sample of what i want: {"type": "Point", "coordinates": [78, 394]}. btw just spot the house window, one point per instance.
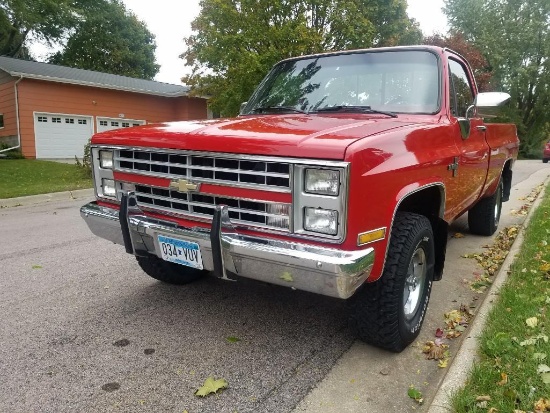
{"type": "Point", "coordinates": [82, 121]}
{"type": "Point", "coordinates": [114, 123]}
{"type": "Point", "coordinates": [136, 124]}
{"type": "Point", "coordinates": [42, 119]}
{"type": "Point", "coordinates": [69, 120]}
{"type": "Point", "coordinates": [125, 124]}
{"type": "Point", "coordinates": [102, 123]}
{"type": "Point", "coordinates": [1, 120]}
{"type": "Point", "coordinates": [56, 120]}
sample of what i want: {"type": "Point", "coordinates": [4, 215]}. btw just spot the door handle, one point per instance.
{"type": "Point", "coordinates": [481, 128]}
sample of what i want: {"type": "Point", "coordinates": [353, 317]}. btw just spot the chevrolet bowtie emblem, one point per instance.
{"type": "Point", "coordinates": [183, 185]}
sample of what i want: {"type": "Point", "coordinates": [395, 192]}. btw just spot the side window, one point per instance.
{"type": "Point", "coordinates": [460, 89]}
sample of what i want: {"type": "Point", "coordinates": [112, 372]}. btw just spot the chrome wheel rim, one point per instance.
{"type": "Point", "coordinates": [414, 283]}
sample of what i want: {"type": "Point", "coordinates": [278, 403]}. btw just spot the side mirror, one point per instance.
{"type": "Point", "coordinates": [490, 104]}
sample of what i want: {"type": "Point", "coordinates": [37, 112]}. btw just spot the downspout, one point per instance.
{"type": "Point", "coordinates": [16, 117]}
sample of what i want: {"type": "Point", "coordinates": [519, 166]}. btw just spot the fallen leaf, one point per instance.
{"type": "Point", "coordinates": [36, 267]}
{"type": "Point", "coordinates": [542, 405]}
{"type": "Point", "coordinates": [484, 398]}
{"type": "Point", "coordinates": [492, 410]}
{"type": "Point", "coordinates": [233, 339]}
{"type": "Point", "coordinates": [532, 322]}
{"type": "Point", "coordinates": [504, 379]}
{"type": "Point", "coordinates": [287, 277]}
{"type": "Point", "coordinates": [533, 340]}
{"type": "Point", "coordinates": [539, 356]}
{"type": "Point", "coordinates": [482, 405]}
{"type": "Point", "coordinates": [415, 395]}
{"type": "Point", "coordinates": [443, 363]}
{"type": "Point", "coordinates": [545, 378]}
{"type": "Point", "coordinates": [543, 368]}
{"type": "Point", "coordinates": [439, 333]}
{"type": "Point", "coordinates": [211, 385]}
{"type": "Point", "coordinates": [458, 235]}
{"type": "Point", "coordinates": [434, 351]}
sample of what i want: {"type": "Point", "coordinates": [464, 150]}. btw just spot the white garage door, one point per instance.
{"type": "Point", "coordinates": [105, 124]}
{"type": "Point", "coordinates": [61, 136]}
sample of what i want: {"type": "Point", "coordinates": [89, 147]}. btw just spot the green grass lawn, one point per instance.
{"type": "Point", "coordinates": [513, 373]}
{"type": "Point", "coordinates": [21, 177]}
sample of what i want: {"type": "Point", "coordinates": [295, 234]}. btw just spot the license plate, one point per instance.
{"type": "Point", "coordinates": [180, 252]}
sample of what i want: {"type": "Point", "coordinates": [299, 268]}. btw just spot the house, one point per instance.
{"type": "Point", "coordinates": [51, 111]}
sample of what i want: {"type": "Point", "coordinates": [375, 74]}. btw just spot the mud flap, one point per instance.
{"type": "Point", "coordinates": [507, 184]}
{"type": "Point", "coordinates": [441, 233]}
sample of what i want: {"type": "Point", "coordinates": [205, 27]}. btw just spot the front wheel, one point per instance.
{"type": "Point", "coordinates": [168, 272]}
{"type": "Point", "coordinates": [389, 313]}
{"type": "Point", "coordinates": [484, 217]}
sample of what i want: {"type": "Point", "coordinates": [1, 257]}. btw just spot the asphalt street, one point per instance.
{"type": "Point", "coordinates": [85, 330]}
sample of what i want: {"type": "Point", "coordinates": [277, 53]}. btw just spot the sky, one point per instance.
{"type": "Point", "coordinates": [170, 24]}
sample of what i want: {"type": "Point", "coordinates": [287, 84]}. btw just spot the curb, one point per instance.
{"type": "Point", "coordinates": [467, 353]}
{"type": "Point", "coordinates": [54, 196]}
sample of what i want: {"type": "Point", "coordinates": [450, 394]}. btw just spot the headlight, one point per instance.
{"type": "Point", "coordinates": [322, 181]}
{"type": "Point", "coordinates": [106, 159]}
{"type": "Point", "coordinates": [109, 188]}
{"type": "Point", "coordinates": [324, 221]}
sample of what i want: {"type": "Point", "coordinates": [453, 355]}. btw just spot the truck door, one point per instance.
{"type": "Point", "coordinates": [470, 169]}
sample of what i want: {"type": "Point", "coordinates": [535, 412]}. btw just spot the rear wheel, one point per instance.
{"type": "Point", "coordinates": [389, 313]}
{"type": "Point", "coordinates": [484, 217]}
{"type": "Point", "coordinates": [544, 160]}
{"type": "Point", "coordinates": [168, 272]}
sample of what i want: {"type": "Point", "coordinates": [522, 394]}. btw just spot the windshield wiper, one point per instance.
{"type": "Point", "coordinates": [277, 108]}
{"type": "Point", "coordinates": [354, 108]}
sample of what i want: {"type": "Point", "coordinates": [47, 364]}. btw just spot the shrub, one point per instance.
{"type": "Point", "coordinates": [86, 165]}
{"type": "Point", "coordinates": [13, 154]}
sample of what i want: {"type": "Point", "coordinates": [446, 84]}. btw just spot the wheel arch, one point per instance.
{"type": "Point", "coordinates": [506, 176]}
{"type": "Point", "coordinates": [428, 200]}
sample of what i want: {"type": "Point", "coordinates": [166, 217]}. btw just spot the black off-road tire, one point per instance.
{"type": "Point", "coordinates": [484, 217]}
{"type": "Point", "coordinates": [168, 272]}
{"type": "Point", "coordinates": [544, 160]}
{"type": "Point", "coordinates": [380, 315]}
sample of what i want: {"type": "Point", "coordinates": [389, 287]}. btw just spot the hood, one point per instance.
{"type": "Point", "coordinates": [294, 135]}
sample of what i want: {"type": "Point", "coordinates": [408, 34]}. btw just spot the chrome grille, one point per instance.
{"type": "Point", "coordinates": [259, 174]}
{"type": "Point", "coordinates": [241, 211]}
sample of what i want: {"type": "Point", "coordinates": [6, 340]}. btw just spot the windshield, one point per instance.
{"type": "Point", "coordinates": [398, 81]}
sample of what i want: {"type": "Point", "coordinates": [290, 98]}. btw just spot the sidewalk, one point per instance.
{"type": "Point", "coordinates": [366, 379]}
{"type": "Point", "coordinates": [55, 196]}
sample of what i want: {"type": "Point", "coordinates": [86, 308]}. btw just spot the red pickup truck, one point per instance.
{"type": "Point", "coordinates": [340, 176]}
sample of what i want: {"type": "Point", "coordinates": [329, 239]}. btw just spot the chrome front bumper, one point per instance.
{"type": "Point", "coordinates": [326, 271]}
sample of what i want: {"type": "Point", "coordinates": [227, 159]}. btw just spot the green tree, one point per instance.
{"type": "Point", "coordinates": [111, 39]}
{"type": "Point", "coordinates": [42, 20]}
{"type": "Point", "coordinates": [237, 41]}
{"type": "Point", "coordinates": [479, 64]}
{"type": "Point", "coordinates": [514, 37]}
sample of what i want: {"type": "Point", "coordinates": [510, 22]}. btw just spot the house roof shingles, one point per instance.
{"type": "Point", "coordinates": [63, 74]}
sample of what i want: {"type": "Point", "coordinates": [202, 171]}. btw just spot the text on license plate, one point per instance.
{"type": "Point", "coordinates": [181, 252]}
